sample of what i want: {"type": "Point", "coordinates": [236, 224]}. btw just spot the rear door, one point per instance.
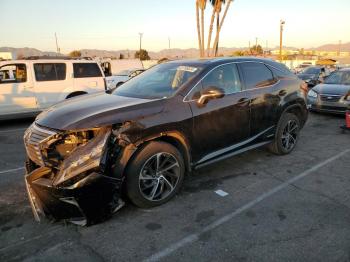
{"type": "Point", "coordinates": [221, 124]}
{"type": "Point", "coordinates": [88, 77]}
{"type": "Point", "coordinates": [260, 85]}
{"type": "Point", "coordinates": [17, 94]}
{"type": "Point", "coordinates": [52, 82]}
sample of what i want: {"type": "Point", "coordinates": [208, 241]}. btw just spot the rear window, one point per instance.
{"type": "Point", "coordinates": [86, 70]}
{"type": "Point", "coordinates": [256, 75]}
{"type": "Point", "coordinates": [50, 71]}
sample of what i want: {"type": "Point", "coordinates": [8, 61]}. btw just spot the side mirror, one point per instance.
{"type": "Point", "coordinates": [210, 93]}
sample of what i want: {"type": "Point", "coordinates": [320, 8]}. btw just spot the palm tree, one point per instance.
{"type": "Point", "coordinates": [214, 3]}
{"type": "Point", "coordinates": [218, 11]}
{"type": "Point", "coordinates": [216, 41]}
{"type": "Point", "coordinates": [198, 29]}
{"type": "Point", "coordinates": [217, 4]}
{"type": "Point", "coordinates": [202, 4]}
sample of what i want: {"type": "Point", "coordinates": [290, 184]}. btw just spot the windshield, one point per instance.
{"type": "Point", "coordinates": [161, 81]}
{"type": "Point", "coordinates": [339, 78]}
{"type": "Point", "coordinates": [312, 71]}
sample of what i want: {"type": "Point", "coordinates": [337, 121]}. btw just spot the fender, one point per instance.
{"type": "Point", "coordinates": [300, 106]}
{"type": "Point", "coordinates": [129, 149]}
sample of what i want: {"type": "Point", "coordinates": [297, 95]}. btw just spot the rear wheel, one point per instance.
{"type": "Point", "coordinates": [155, 175]}
{"type": "Point", "coordinates": [287, 135]}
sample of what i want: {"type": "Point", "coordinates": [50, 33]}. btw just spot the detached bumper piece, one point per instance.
{"type": "Point", "coordinates": [88, 201]}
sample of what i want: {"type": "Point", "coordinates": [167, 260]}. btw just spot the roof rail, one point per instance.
{"type": "Point", "coordinates": [57, 57]}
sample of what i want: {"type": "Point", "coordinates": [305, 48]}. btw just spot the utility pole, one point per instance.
{"type": "Point", "coordinates": [169, 42]}
{"type": "Point", "coordinates": [339, 48]}
{"type": "Point", "coordinates": [57, 48]}
{"type": "Point", "coordinates": [249, 48]}
{"type": "Point", "coordinates": [141, 35]}
{"type": "Point", "coordinates": [256, 46]}
{"type": "Point", "coordinates": [281, 37]}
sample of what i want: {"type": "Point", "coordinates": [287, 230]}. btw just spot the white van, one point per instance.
{"type": "Point", "coordinates": [29, 86]}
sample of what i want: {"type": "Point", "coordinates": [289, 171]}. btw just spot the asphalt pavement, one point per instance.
{"type": "Point", "coordinates": [276, 208]}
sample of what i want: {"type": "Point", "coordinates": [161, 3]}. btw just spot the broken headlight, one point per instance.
{"type": "Point", "coordinates": [81, 151]}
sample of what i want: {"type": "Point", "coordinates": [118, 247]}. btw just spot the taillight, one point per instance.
{"type": "Point", "coordinates": [304, 88]}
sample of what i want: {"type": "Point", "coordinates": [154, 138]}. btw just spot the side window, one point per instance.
{"type": "Point", "coordinates": [13, 73]}
{"type": "Point", "coordinates": [225, 77]}
{"type": "Point", "coordinates": [256, 75]}
{"type": "Point", "coordinates": [86, 70]}
{"type": "Point", "coordinates": [50, 71]}
{"type": "Point", "coordinates": [279, 74]}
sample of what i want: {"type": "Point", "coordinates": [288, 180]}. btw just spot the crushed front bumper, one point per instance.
{"type": "Point", "coordinates": [90, 200]}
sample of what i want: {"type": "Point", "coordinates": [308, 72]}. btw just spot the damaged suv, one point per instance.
{"type": "Point", "coordinates": [86, 154]}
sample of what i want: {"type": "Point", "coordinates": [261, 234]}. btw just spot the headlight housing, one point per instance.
{"type": "Point", "coordinates": [312, 94]}
{"type": "Point", "coordinates": [85, 155]}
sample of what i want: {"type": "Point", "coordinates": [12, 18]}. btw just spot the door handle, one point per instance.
{"type": "Point", "coordinates": [282, 93]}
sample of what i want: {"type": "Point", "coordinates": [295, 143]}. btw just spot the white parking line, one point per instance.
{"type": "Point", "coordinates": [12, 130]}
{"type": "Point", "coordinates": [195, 236]}
{"type": "Point", "coordinates": [11, 170]}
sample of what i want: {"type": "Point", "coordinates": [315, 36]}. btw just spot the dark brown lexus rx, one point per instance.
{"type": "Point", "coordinates": [88, 153]}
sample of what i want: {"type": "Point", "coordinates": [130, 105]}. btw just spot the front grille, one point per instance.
{"type": "Point", "coordinates": [330, 98]}
{"type": "Point", "coordinates": [32, 139]}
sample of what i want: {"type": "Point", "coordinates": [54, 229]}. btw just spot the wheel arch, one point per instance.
{"type": "Point", "coordinates": [76, 93]}
{"type": "Point", "coordinates": [173, 138]}
{"type": "Point", "coordinates": [297, 109]}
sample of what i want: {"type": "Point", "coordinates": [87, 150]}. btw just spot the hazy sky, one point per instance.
{"type": "Point", "coordinates": [115, 24]}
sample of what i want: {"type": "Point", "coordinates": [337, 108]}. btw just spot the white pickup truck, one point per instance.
{"type": "Point", "coordinates": [29, 86]}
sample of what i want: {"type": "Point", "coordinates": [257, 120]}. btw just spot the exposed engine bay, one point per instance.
{"type": "Point", "coordinates": [76, 175]}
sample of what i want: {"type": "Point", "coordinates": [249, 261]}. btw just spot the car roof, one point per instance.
{"type": "Point", "coordinates": [212, 62]}
{"type": "Point", "coordinates": [24, 61]}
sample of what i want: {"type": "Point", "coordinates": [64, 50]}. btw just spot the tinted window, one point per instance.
{"type": "Point", "coordinates": [256, 75]}
{"type": "Point", "coordinates": [312, 71]}
{"type": "Point", "coordinates": [86, 70]}
{"type": "Point", "coordinates": [15, 73]}
{"type": "Point", "coordinates": [50, 71]}
{"type": "Point", "coordinates": [224, 77]}
{"type": "Point", "coordinates": [279, 74]}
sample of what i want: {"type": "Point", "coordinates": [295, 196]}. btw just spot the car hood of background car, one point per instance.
{"type": "Point", "coordinates": [332, 89]}
{"type": "Point", "coordinates": [306, 76]}
{"type": "Point", "coordinates": [97, 110]}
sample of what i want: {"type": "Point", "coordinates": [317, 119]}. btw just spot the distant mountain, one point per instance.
{"type": "Point", "coordinates": [334, 47]}
{"type": "Point", "coordinates": [26, 51]}
{"type": "Point", "coordinates": [170, 53]}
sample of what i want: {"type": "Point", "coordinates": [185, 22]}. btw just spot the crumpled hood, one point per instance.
{"type": "Point", "coordinates": [97, 110]}
{"type": "Point", "coordinates": [332, 89]}
{"type": "Point", "coordinates": [306, 76]}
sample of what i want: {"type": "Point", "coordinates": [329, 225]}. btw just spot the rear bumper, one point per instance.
{"type": "Point", "coordinates": [90, 200]}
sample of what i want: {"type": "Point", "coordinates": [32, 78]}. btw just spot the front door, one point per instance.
{"type": "Point", "coordinates": [221, 124]}
{"type": "Point", "coordinates": [17, 93]}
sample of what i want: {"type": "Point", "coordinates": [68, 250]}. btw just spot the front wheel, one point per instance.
{"type": "Point", "coordinates": [287, 135]}
{"type": "Point", "coordinates": [154, 175]}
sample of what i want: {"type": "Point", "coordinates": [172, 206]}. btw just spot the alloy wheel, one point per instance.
{"type": "Point", "coordinates": [290, 135]}
{"type": "Point", "coordinates": [159, 176]}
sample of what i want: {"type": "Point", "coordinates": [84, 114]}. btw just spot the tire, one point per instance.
{"type": "Point", "coordinates": [147, 187]}
{"type": "Point", "coordinates": [286, 137]}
